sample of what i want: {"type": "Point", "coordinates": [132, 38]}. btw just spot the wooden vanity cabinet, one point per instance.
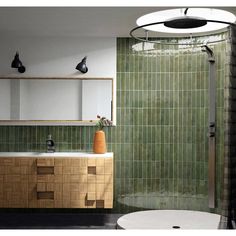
{"type": "Point", "coordinates": [83, 182]}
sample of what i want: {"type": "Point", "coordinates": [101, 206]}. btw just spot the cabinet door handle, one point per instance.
{"type": "Point", "coordinates": [45, 170]}
{"type": "Point", "coordinates": [92, 170]}
{"type": "Point", "coordinates": [45, 195]}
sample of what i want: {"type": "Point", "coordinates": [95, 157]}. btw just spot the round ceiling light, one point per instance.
{"type": "Point", "coordinates": [175, 21]}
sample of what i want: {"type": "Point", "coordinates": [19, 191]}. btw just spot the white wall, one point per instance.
{"type": "Point", "coordinates": [58, 56]}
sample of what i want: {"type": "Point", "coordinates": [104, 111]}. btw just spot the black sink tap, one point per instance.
{"type": "Point", "coordinates": [50, 144]}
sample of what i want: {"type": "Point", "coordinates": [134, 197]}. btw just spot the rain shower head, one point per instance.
{"type": "Point", "coordinates": [185, 22]}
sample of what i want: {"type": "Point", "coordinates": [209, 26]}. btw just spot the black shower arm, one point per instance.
{"type": "Point", "coordinates": [209, 52]}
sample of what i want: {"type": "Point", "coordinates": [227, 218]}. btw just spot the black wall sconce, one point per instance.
{"type": "Point", "coordinates": [16, 63]}
{"type": "Point", "coordinates": [82, 66]}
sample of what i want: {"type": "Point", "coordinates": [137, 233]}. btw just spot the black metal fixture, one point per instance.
{"type": "Point", "coordinates": [185, 22]}
{"type": "Point", "coordinates": [16, 63]}
{"type": "Point", "coordinates": [82, 66]}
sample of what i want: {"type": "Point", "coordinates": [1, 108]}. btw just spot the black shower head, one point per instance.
{"type": "Point", "coordinates": [185, 22]}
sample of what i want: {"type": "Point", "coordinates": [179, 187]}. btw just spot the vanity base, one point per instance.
{"type": "Point", "coordinates": [56, 182]}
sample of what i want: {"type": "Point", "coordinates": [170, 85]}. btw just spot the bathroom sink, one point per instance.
{"type": "Point", "coordinates": [54, 154]}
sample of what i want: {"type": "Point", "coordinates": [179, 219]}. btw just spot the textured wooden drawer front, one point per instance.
{"type": "Point", "coordinates": [44, 194]}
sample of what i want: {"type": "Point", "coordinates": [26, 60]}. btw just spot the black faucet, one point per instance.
{"type": "Point", "coordinates": [50, 144]}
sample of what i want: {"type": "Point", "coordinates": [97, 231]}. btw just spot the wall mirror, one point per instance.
{"type": "Point", "coordinates": [56, 101]}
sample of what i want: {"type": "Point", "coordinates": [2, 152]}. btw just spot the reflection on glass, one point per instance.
{"type": "Point", "coordinates": [55, 99]}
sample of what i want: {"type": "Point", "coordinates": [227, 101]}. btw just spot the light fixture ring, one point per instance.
{"type": "Point", "coordinates": [146, 39]}
{"type": "Point", "coordinates": [183, 22]}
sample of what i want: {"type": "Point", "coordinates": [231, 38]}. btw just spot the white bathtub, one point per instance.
{"type": "Point", "coordinates": [169, 219]}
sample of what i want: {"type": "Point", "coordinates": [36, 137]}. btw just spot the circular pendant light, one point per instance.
{"type": "Point", "coordinates": [185, 21]}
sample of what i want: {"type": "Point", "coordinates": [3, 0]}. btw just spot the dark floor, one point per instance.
{"type": "Point", "coordinates": [58, 221]}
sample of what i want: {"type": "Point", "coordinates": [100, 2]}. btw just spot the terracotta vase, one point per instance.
{"type": "Point", "coordinates": [99, 142]}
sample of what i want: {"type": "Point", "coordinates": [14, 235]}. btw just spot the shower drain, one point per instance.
{"type": "Point", "coordinates": [175, 227]}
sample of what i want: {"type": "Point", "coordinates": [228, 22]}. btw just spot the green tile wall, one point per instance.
{"type": "Point", "coordinates": [160, 141]}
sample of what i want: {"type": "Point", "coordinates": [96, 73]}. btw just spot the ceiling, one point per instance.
{"type": "Point", "coordinates": [74, 21]}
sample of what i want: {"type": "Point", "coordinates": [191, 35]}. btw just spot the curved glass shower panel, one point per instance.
{"type": "Point", "coordinates": [163, 102]}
